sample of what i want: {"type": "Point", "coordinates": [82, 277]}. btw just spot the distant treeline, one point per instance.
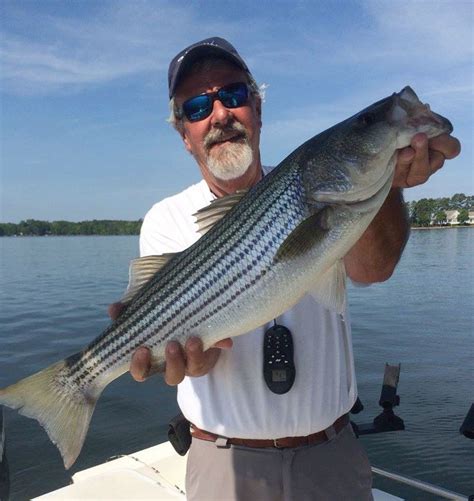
{"type": "Point", "coordinates": [33, 227]}
{"type": "Point", "coordinates": [432, 211]}
{"type": "Point", "coordinates": [424, 212]}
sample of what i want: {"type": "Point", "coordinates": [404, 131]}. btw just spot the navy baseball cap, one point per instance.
{"type": "Point", "coordinates": [210, 46]}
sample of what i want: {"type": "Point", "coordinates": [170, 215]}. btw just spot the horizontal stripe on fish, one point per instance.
{"type": "Point", "coordinates": [143, 324]}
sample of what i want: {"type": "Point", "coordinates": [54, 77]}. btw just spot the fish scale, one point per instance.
{"type": "Point", "coordinates": [151, 326]}
{"type": "Point", "coordinates": [285, 238]}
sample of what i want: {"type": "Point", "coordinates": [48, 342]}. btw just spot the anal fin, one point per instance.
{"type": "Point", "coordinates": [330, 291]}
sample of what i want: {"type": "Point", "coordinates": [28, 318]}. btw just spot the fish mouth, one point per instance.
{"type": "Point", "coordinates": [413, 114]}
{"type": "Point", "coordinates": [410, 116]}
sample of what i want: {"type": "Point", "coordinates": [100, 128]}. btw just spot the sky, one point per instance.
{"type": "Point", "coordinates": [83, 131]}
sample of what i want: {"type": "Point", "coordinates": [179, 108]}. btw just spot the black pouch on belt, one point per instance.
{"type": "Point", "coordinates": [179, 434]}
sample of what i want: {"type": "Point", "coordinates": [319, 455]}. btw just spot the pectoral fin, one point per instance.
{"type": "Point", "coordinates": [305, 235]}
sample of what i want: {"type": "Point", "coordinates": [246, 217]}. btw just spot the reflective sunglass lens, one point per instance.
{"type": "Point", "coordinates": [234, 95]}
{"type": "Point", "coordinates": [197, 108]}
{"type": "Point", "coordinates": [200, 107]}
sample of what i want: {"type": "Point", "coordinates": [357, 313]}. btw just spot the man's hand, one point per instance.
{"type": "Point", "coordinates": [422, 158]}
{"type": "Point", "coordinates": [374, 257]}
{"type": "Point", "coordinates": [191, 360]}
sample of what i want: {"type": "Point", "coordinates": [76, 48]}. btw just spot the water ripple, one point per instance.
{"type": "Point", "coordinates": [54, 297]}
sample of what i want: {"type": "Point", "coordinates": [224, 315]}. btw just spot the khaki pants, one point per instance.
{"type": "Point", "coordinates": [337, 470]}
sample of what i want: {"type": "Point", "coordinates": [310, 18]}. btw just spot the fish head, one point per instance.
{"type": "Point", "coordinates": [358, 156]}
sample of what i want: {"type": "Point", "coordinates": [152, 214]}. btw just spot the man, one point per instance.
{"type": "Point", "coordinates": [216, 109]}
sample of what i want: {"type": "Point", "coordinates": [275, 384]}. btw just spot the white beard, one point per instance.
{"type": "Point", "coordinates": [231, 161]}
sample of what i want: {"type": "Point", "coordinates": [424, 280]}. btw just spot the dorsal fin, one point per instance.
{"type": "Point", "coordinates": [207, 217]}
{"type": "Point", "coordinates": [141, 271]}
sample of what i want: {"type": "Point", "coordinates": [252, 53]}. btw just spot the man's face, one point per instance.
{"type": "Point", "coordinates": [226, 143]}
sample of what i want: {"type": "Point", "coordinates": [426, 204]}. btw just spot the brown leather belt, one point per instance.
{"type": "Point", "coordinates": [279, 443]}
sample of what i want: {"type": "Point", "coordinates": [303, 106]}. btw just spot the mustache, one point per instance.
{"type": "Point", "coordinates": [217, 135]}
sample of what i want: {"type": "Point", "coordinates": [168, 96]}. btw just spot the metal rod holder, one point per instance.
{"type": "Point", "coordinates": [467, 427]}
{"type": "Point", "coordinates": [387, 420]}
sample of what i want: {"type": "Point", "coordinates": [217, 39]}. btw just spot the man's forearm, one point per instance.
{"type": "Point", "coordinates": [374, 257]}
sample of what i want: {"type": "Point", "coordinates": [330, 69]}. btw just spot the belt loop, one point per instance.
{"type": "Point", "coordinates": [221, 442]}
{"type": "Point", "coordinates": [276, 445]}
{"type": "Point", "coordinates": [330, 432]}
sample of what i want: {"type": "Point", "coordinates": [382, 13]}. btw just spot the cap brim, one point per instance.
{"type": "Point", "coordinates": [199, 53]}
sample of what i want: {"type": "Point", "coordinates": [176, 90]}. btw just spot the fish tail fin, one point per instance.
{"type": "Point", "coordinates": [63, 410]}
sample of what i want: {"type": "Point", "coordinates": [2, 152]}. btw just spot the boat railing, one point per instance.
{"type": "Point", "coordinates": [388, 421]}
{"type": "Point", "coordinates": [423, 486]}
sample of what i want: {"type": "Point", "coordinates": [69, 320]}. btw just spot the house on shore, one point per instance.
{"type": "Point", "coordinates": [451, 219]}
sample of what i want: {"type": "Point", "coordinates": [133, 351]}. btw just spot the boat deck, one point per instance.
{"type": "Point", "coordinates": [153, 473]}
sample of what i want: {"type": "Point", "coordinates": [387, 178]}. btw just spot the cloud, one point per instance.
{"type": "Point", "coordinates": [454, 95]}
{"type": "Point", "coordinates": [410, 33]}
{"type": "Point", "coordinates": [61, 52]}
{"type": "Point", "coordinates": [42, 52]}
{"type": "Point", "coordinates": [32, 63]}
{"type": "Point", "coordinates": [435, 37]}
{"type": "Point", "coordinates": [439, 29]}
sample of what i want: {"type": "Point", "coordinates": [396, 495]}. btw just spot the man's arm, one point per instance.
{"type": "Point", "coordinates": [374, 257]}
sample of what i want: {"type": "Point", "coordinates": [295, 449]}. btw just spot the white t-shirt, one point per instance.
{"type": "Point", "coordinates": [233, 399]}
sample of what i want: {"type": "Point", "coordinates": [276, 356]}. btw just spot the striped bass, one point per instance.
{"type": "Point", "coordinates": [260, 253]}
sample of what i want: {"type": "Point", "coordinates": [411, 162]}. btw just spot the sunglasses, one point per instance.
{"type": "Point", "coordinates": [200, 107]}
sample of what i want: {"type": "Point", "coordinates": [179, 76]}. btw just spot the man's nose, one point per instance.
{"type": "Point", "coordinates": [220, 114]}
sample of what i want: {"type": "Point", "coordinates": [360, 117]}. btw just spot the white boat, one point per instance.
{"type": "Point", "coordinates": [158, 473]}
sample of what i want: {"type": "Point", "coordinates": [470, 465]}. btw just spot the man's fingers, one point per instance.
{"type": "Point", "coordinates": [225, 344]}
{"type": "Point", "coordinates": [404, 159]}
{"type": "Point", "coordinates": [191, 361]}
{"type": "Point", "coordinates": [447, 145]}
{"type": "Point", "coordinates": [114, 310]}
{"type": "Point", "coordinates": [436, 161]}
{"type": "Point", "coordinates": [140, 366]}
{"type": "Point", "coordinates": [420, 169]}
{"type": "Point", "coordinates": [405, 156]}
{"type": "Point", "coordinates": [423, 158]}
{"type": "Point", "coordinates": [196, 358]}
{"type": "Point", "coordinates": [175, 363]}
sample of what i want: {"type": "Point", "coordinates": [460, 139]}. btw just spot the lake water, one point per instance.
{"type": "Point", "coordinates": [54, 295]}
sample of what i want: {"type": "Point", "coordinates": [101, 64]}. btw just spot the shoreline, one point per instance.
{"type": "Point", "coordinates": [448, 227]}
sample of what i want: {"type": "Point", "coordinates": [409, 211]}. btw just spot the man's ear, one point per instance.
{"type": "Point", "coordinates": [187, 144]}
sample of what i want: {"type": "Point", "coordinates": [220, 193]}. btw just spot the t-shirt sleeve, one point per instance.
{"type": "Point", "coordinates": [157, 234]}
